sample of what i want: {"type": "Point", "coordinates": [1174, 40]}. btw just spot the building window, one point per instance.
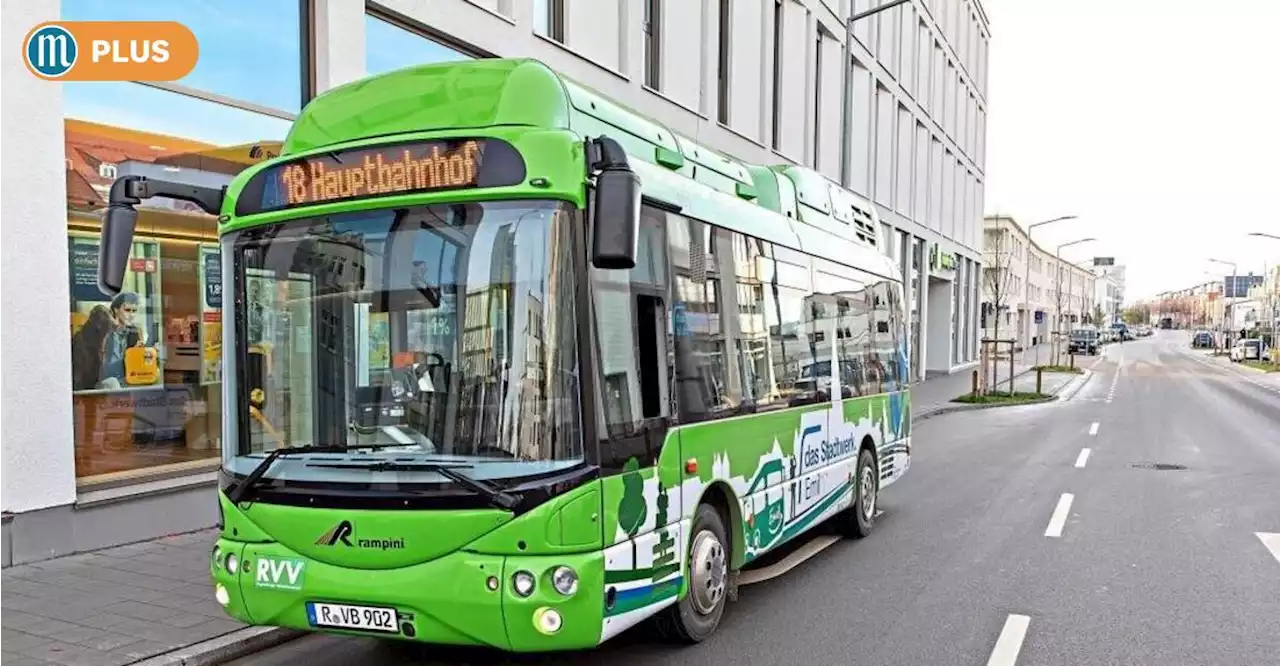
{"type": "Point", "coordinates": [726, 43]}
{"type": "Point", "coordinates": [548, 19]}
{"type": "Point", "coordinates": [146, 366]}
{"type": "Point", "coordinates": [653, 44]}
{"type": "Point", "coordinates": [235, 36]}
{"type": "Point", "coordinates": [777, 74]}
{"type": "Point", "coordinates": [388, 46]}
{"type": "Point", "coordinates": [817, 98]}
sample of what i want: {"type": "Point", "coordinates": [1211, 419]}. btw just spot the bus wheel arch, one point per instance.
{"type": "Point", "coordinates": [722, 498]}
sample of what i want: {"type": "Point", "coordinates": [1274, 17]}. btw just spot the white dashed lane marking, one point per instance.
{"type": "Point", "coordinates": [1009, 644]}
{"type": "Point", "coordinates": [1083, 457]}
{"type": "Point", "coordinates": [1058, 520]}
{"type": "Point", "coordinates": [1093, 429]}
{"type": "Point", "coordinates": [1272, 542]}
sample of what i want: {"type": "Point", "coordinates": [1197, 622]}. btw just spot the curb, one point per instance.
{"type": "Point", "coordinates": [223, 648]}
{"type": "Point", "coordinates": [1080, 383]}
{"type": "Point", "coordinates": [949, 409]}
{"type": "Point", "coordinates": [961, 407]}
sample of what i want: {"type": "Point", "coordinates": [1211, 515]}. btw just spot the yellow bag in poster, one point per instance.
{"type": "Point", "coordinates": [141, 366]}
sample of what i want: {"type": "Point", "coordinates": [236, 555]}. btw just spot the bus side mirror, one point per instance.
{"type": "Point", "coordinates": [117, 237]}
{"type": "Point", "coordinates": [118, 223]}
{"type": "Point", "coordinates": [615, 208]}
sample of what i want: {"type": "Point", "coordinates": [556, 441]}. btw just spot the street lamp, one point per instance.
{"type": "Point", "coordinates": [1227, 305]}
{"type": "Point", "coordinates": [1026, 272]}
{"type": "Point", "coordinates": [1058, 289]}
{"type": "Point", "coordinates": [846, 86]}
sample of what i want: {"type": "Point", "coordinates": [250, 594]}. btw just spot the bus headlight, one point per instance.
{"type": "Point", "coordinates": [565, 580]}
{"type": "Point", "coordinates": [217, 557]}
{"type": "Point", "coordinates": [233, 563]}
{"type": "Point", "coordinates": [522, 582]}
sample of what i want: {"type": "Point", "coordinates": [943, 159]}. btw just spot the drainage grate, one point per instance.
{"type": "Point", "coordinates": [1159, 467]}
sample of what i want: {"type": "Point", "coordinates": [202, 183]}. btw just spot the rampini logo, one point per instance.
{"type": "Point", "coordinates": [343, 533]}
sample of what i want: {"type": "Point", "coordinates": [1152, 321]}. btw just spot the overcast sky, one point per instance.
{"type": "Point", "coordinates": [1154, 121]}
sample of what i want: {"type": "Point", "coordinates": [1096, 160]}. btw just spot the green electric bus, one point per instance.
{"type": "Point", "coordinates": [507, 364]}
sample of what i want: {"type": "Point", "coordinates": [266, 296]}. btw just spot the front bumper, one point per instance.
{"type": "Point", "coordinates": [448, 600]}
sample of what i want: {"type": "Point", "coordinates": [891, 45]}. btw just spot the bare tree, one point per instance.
{"type": "Point", "coordinates": [998, 282]}
{"type": "Point", "coordinates": [1058, 298]}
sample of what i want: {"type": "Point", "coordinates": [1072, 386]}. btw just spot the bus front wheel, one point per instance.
{"type": "Point", "coordinates": [694, 618]}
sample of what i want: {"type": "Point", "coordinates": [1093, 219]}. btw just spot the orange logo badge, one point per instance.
{"type": "Point", "coordinates": [111, 51]}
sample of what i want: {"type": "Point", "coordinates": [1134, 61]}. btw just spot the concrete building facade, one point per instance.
{"type": "Point", "coordinates": [1108, 292]}
{"type": "Point", "coordinates": [1027, 288]}
{"type": "Point", "coordinates": [761, 80]}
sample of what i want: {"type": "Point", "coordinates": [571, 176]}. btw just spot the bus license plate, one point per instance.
{"type": "Point", "coordinates": [360, 618]}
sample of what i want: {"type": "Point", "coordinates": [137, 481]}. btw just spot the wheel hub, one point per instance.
{"type": "Point", "coordinates": [707, 572]}
{"type": "Point", "coordinates": [868, 491]}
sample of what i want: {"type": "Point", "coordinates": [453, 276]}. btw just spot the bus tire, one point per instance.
{"type": "Point", "coordinates": [860, 518]}
{"type": "Point", "coordinates": [696, 616]}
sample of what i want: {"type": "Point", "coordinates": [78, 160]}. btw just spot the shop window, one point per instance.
{"type": "Point", "coordinates": [146, 365]}
{"type": "Point", "coordinates": [236, 38]}
{"type": "Point", "coordinates": [389, 47]}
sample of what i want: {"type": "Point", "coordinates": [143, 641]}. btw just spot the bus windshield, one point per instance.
{"type": "Point", "coordinates": [438, 334]}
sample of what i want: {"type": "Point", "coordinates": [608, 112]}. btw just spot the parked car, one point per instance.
{"type": "Point", "coordinates": [1083, 340]}
{"type": "Point", "coordinates": [1202, 339]}
{"type": "Point", "coordinates": [1249, 349]}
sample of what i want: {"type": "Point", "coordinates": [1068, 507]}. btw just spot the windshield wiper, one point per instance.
{"type": "Point", "coordinates": [238, 493]}
{"type": "Point", "coordinates": [496, 496]}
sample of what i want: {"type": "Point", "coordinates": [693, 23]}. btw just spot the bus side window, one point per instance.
{"type": "Point", "coordinates": [631, 326]}
{"type": "Point", "coordinates": [703, 316]}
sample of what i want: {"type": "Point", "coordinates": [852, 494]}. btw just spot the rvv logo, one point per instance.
{"type": "Point", "coordinates": [285, 574]}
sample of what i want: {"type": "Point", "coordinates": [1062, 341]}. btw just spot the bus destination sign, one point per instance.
{"type": "Point", "coordinates": [362, 173]}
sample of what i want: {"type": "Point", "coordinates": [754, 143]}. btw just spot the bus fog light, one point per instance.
{"type": "Point", "coordinates": [233, 563]}
{"type": "Point", "coordinates": [547, 620]}
{"type": "Point", "coordinates": [565, 580]}
{"type": "Point", "coordinates": [522, 583]}
{"type": "Point", "coordinates": [220, 593]}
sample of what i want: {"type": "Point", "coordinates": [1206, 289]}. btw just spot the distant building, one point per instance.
{"type": "Point", "coordinates": [1026, 288]}
{"type": "Point", "coordinates": [1108, 294]}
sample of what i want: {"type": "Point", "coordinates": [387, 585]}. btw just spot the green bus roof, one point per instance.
{"type": "Point", "coordinates": [527, 93]}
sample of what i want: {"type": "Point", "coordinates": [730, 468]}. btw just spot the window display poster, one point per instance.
{"type": "Point", "coordinates": [379, 341]}
{"type": "Point", "coordinates": [114, 340]}
{"type": "Point", "coordinates": [210, 314]}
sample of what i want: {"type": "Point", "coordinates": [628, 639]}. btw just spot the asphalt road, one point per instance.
{"type": "Point", "coordinates": [1145, 566]}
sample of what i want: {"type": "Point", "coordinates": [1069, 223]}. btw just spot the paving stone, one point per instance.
{"type": "Point", "coordinates": [114, 606]}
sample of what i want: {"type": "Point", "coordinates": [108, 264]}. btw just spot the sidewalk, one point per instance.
{"type": "Point", "coordinates": [934, 394]}
{"type": "Point", "coordinates": [112, 607]}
